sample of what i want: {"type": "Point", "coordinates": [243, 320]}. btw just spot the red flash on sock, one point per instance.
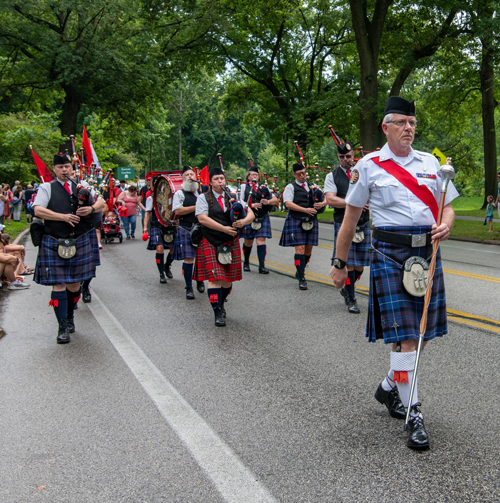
{"type": "Point", "coordinates": [297, 262]}
{"type": "Point", "coordinates": [76, 300]}
{"type": "Point", "coordinates": [348, 282]}
{"type": "Point", "coordinates": [213, 298]}
{"type": "Point", "coordinates": [401, 376]}
{"type": "Point", "coordinates": [54, 303]}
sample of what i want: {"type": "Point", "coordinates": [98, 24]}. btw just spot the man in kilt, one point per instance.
{"type": "Point", "coordinates": [404, 217]}
{"type": "Point", "coordinates": [219, 233]}
{"type": "Point", "coordinates": [301, 224]}
{"type": "Point", "coordinates": [261, 201]}
{"type": "Point", "coordinates": [158, 234]}
{"type": "Point", "coordinates": [336, 186]}
{"type": "Point", "coordinates": [184, 205]}
{"type": "Point", "coordinates": [67, 216]}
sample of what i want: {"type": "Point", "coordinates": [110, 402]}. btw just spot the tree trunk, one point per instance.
{"type": "Point", "coordinates": [71, 107]}
{"type": "Point", "coordinates": [489, 104]}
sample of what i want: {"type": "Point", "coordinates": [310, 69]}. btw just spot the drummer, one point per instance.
{"type": "Point", "coordinates": [160, 237]}
{"type": "Point", "coordinates": [184, 205]}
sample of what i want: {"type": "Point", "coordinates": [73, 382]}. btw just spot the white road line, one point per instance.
{"type": "Point", "coordinates": [235, 482]}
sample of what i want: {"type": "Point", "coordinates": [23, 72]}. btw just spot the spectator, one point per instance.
{"type": "Point", "coordinates": [3, 202]}
{"type": "Point", "coordinates": [130, 200]}
{"type": "Point", "coordinates": [19, 252]}
{"type": "Point", "coordinates": [8, 264]}
{"type": "Point", "coordinates": [29, 194]}
{"type": "Point", "coordinates": [9, 198]}
{"type": "Point", "coordinates": [498, 196]}
{"type": "Point", "coordinates": [489, 212]}
{"type": "Point", "coordinates": [144, 194]}
{"type": "Point", "coordinates": [122, 187]}
{"type": "Point", "coordinates": [17, 204]}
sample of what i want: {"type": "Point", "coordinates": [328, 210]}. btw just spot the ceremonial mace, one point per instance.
{"type": "Point", "coordinates": [448, 173]}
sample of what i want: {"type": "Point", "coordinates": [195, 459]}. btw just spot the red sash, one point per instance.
{"type": "Point", "coordinates": [421, 191]}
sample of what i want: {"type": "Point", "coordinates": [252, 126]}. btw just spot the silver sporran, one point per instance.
{"type": "Point", "coordinates": [224, 255]}
{"type": "Point", "coordinates": [66, 247]}
{"type": "Point", "coordinates": [359, 236]}
{"type": "Point", "coordinates": [257, 224]}
{"type": "Point", "coordinates": [307, 223]}
{"type": "Point", "coordinates": [415, 275]}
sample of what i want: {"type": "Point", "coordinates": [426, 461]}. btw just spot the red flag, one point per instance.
{"type": "Point", "coordinates": [204, 176]}
{"type": "Point", "coordinates": [87, 149]}
{"type": "Point", "coordinates": [43, 171]}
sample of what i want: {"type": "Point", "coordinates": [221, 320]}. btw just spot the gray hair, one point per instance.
{"type": "Point", "coordinates": [387, 118]}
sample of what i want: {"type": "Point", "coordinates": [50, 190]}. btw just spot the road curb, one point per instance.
{"type": "Point", "coordinates": [20, 236]}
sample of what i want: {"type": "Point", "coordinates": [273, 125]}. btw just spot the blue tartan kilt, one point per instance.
{"type": "Point", "coordinates": [95, 247]}
{"type": "Point", "coordinates": [264, 232]}
{"type": "Point", "coordinates": [294, 235]}
{"type": "Point", "coordinates": [156, 239]}
{"type": "Point", "coordinates": [182, 245]}
{"type": "Point", "coordinates": [51, 269]}
{"type": "Point", "coordinates": [393, 314]}
{"type": "Point", "coordinates": [358, 252]}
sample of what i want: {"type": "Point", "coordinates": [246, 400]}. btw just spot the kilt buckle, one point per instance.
{"type": "Point", "coordinates": [418, 240]}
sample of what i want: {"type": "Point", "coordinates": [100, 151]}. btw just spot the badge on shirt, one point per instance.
{"type": "Point", "coordinates": [426, 175]}
{"type": "Point", "coordinates": [354, 176]}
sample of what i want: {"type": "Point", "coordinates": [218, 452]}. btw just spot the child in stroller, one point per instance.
{"type": "Point", "coordinates": [111, 227]}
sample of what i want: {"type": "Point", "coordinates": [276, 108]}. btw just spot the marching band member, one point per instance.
{"type": "Point", "coordinates": [336, 186]}
{"type": "Point", "coordinates": [157, 241]}
{"type": "Point", "coordinates": [301, 224]}
{"type": "Point", "coordinates": [66, 256]}
{"type": "Point", "coordinates": [218, 257]}
{"type": "Point", "coordinates": [402, 186]}
{"type": "Point", "coordinates": [184, 205]}
{"type": "Point", "coordinates": [261, 201]}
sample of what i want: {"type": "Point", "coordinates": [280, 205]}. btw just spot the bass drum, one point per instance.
{"type": "Point", "coordinates": [163, 196]}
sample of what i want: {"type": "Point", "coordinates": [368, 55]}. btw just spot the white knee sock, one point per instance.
{"type": "Point", "coordinates": [403, 365]}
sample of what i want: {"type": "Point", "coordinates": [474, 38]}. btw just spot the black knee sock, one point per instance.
{"type": "Point", "coordinates": [224, 293]}
{"type": "Point", "coordinates": [246, 253]}
{"type": "Point", "coordinates": [73, 298]}
{"type": "Point", "coordinates": [307, 258]}
{"type": "Point", "coordinates": [187, 270]}
{"type": "Point", "coordinates": [214, 296]}
{"type": "Point", "coordinates": [59, 301]}
{"type": "Point", "coordinates": [85, 285]}
{"type": "Point", "coordinates": [261, 254]}
{"type": "Point", "coordinates": [169, 260]}
{"type": "Point", "coordinates": [300, 264]}
{"type": "Point", "coordinates": [160, 257]}
{"type": "Point", "coordinates": [349, 284]}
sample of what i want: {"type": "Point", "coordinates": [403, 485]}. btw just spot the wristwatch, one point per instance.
{"type": "Point", "coordinates": [339, 264]}
{"type": "Point", "coordinates": [93, 210]}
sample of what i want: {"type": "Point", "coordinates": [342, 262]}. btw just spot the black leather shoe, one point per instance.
{"type": "Point", "coordinates": [302, 284]}
{"type": "Point", "coordinates": [417, 436]}
{"type": "Point", "coordinates": [352, 307]}
{"type": "Point", "coordinates": [63, 334]}
{"type": "Point", "coordinates": [344, 294]}
{"type": "Point", "coordinates": [263, 270]}
{"type": "Point", "coordinates": [168, 272]}
{"type": "Point", "coordinates": [246, 266]}
{"type": "Point", "coordinates": [220, 320]}
{"type": "Point", "coordinates": [71, 325]}
{"type": "Point", "coordinates": [200, 286]}
{"type": "Point", "coordinates": [162, 278]}
{"type": "Point", "coordinates": [189, 293]}
{"type": "Point", "coordinates": [392, 401]}
{"type": "Point", "coordinates": [86, 297]}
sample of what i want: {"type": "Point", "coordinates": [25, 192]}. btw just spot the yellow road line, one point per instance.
{"type": "Point", "coordinates": [453, 314]}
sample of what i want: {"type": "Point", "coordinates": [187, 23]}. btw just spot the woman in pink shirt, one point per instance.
{"type": "Point", "coordinates": [130, 200]}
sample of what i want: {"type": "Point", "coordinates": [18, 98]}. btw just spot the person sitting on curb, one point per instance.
{"type": "Point", "coordinates": [8, 264]}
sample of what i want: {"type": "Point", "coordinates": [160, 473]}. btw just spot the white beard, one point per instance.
{"type": "Point", "coordinates": [190, 185]}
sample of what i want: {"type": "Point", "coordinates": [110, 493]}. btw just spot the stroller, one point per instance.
{"type": "Point", "coordinates": [110, 228]}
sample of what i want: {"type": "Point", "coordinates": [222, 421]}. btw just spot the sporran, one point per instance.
{"type": "Point", "coordinates": [66, 247]}
{"type": "Point", "coordinates": [224, 255]}
{"type": "Point", "coordinates": [257, 224]}
{"type": "Point", "coordinates": [359, 236]}
{"type": "Point", "coordinates": [415, 275]}
{"type": "Point", "coordinates": [307, 223]}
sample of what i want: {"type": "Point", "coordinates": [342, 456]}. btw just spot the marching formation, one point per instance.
{"type": "Point", "coordinates": [199, 221]}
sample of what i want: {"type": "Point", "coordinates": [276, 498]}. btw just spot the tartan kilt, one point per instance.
{"type": "Point", "coordinates": [294, 235]}
{"type": "Point", "coordinates": [156, 239]}
{"type": "Point", "coordinates": [182, 245]}
{"type": "Point", "coordinates": [358, 252]}
{"type": "Point", "coordinates": [95, 247]}
{"type": "Point", "coordinates": [206, 266]}
{"type": "Point", "coordinates": [51, 269]}
{"type": "Point", "coordinates": [389, 303]}
{"type": "Point", "coordinates": [264, 232]}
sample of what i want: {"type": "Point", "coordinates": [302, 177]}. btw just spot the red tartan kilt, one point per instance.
{"type": "Point", "coordinates": [206, 266]}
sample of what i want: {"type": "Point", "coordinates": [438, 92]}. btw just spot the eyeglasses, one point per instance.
{"type": "Point", "coordinates": [402, 122]}
{"type": "Point", "coordinates": [347, 156]}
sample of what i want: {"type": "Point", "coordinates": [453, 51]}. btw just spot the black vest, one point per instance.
{"type": "Point", "coordinates": [189, 219]}
{"type": "Point", "coordinates": [61, 202]}
{"type": "Point", "coordinates": [342, 182]}
{"type": "Point", "coordinates": [257, 195]}
{"type": "Point", "coordinates": [215, 212]}
{"type": "Point", "coordinates": [301, 198]}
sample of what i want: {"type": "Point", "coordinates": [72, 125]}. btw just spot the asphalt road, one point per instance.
{"type": "Point", "coordinates": [150, 402]}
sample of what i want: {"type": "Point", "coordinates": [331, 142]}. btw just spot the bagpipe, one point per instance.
{"type": "Point", "coordinates": [317, 193]}
{"type": "Point", "coordinates": [237, 212]}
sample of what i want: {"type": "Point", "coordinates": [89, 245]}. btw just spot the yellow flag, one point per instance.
{"type": "Point", "coordinates": [439, 156]}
